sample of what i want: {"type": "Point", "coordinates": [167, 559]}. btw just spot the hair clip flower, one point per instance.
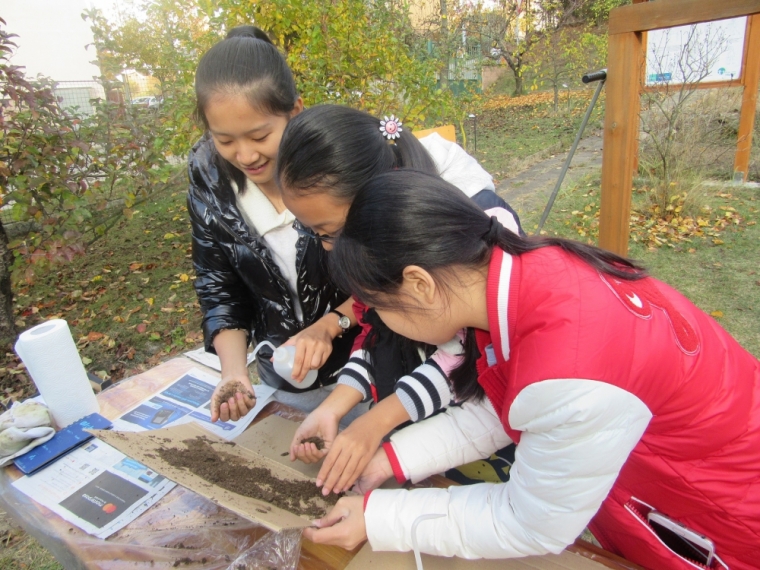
{"type": "Point", "coordinates": [391, 128]}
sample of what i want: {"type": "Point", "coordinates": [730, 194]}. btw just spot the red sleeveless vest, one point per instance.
{"type": "Point", "coordinates": [699, 459]}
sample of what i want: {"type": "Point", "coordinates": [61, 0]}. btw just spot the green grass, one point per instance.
{"type": "Point", "coordinates": [722, 279]}
{"type": "Point", "coordinates": [509, 135]}
{"type": "Point", "coordinates": [19, 550]}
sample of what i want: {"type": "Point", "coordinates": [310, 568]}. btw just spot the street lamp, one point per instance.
{"type": "Point", "coordinates": [568, 96]}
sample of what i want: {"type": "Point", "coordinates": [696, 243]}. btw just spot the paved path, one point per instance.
{"type": "Point", "coordinates": [530, 190]}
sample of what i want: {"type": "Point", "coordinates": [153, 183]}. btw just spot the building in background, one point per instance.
{"type": "Point", "coordinates": [54, 41]}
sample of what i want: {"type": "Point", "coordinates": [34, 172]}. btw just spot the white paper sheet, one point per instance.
{"type": "Point", "coordinates": [211, 360]}
{"type": "Point", "coordinates": [188, 399]}
{"type": "Point", "coordinates": [97, 488]}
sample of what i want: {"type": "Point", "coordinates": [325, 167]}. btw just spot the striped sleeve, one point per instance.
{"type": "Point", "coordinates": [358, 374]}
{"type": "Point", "coordinates": [424, 391]}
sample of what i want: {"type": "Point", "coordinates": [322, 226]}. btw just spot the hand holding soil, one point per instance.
{"type": "Point", "coordinates": [314, 436]}
{"type": "Point", "coordinates": [232, 399]}
{"type": "Point", "coordinates": [348, 456]}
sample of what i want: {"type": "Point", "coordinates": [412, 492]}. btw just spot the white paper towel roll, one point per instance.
{"type": "Point", "coordinates": [52, 359]}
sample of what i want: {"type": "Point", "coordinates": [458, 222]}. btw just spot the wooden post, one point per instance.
{"type": "Point", "coordinates": [750, 79]}
{"type": "Point", "coordinates": [621, 131]}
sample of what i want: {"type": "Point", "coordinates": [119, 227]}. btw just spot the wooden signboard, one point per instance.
{"type": "Point", "coordinates": [625, 64]}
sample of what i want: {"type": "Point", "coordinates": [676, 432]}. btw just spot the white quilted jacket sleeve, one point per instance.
{"type": "Point", "coordinates": [576, 436]}
{"type": "Point", "coordinates": [461, 434]}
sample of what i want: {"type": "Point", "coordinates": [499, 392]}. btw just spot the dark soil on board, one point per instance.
{"type": "Point", "coordinates": [230, 390]}
{"type": "Point", "coordinates": [233, 474]}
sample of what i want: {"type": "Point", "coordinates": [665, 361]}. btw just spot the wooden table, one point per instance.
{"type": "Point", "coordinates": [183, 525]}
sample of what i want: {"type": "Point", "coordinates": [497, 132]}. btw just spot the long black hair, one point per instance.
{"type": "Point", "coordinates": [405, 217]}
{"type": "Point", "coordinates": [335, 150]}
{"type": "Point", "coordinates": [247, 63]}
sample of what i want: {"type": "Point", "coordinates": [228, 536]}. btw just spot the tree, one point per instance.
{"type": "Point", "coordinates": [674, 139]}
{"type": "Point", "coordinates": [163, 39]}
{"type": "Point", "coordinates": [62, 173]}
{"type": "Point", "coordinates": [441, 26]}
{"type": "Point", "coordinates": [560, 58]}
{"type": "Point", "coordinates": [510, 29]}
{"type": "Point", "coordinates": [346, 51]}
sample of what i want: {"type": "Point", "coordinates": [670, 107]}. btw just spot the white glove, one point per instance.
{"type": "Point", "coordinates": [25, 426]}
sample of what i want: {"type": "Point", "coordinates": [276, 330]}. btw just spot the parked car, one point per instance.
{"type": "Point", "coordinates": [147, 102]}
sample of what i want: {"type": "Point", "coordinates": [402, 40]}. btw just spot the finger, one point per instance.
{"type": "Point", "coordinates": [232, 406]}
{"type": "Point", "coordinates": [224, 412]}
{"type": "Point", "coordinates": [242, 404]}
{"type": "Point", "coordinates": [298, 360]}
{"type": "Point", "coordinates": [327, 465]}
{"type": "Point", "coordinates": [314, 454]}
{"type": "Point", "coordinates": [214, 410]}
{"type": "Point", "coordinates": [250, 400]}
{"type": "Point", "coordinates": [303, 453]}
{"type": "Point", "coordinates": [350, 474]}
{"type": "Point", "coordinates": [335, 473]}
{"type": "Point", "coordinates": [306, 453]}
{"type": "Point", "coordinates": [308, 355]}
{"type": "Point", "coordinates": [336, 535]}
{"type": "Point", "coordinates": [319, 357]}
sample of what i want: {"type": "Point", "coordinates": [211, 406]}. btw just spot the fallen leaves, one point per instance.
{"type": "Point", "coordinates": [655, 228]}
{"type": "Point", "coordinates": [533, 99]}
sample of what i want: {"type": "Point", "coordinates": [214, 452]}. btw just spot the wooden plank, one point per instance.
{"type": "Point", "coordinates": [655, 15]}
{"type": "Point", "coordinates": [689, 86]}
{"type": "Point", "coordinates": [446, 131]}
{"type": "Point", "coordinates": [621, 129]}
{"type": "Point", "coordinates": [751, 79]}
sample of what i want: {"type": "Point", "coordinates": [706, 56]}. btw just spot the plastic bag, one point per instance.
{"type": "Point", "coordinates": [276, 550]}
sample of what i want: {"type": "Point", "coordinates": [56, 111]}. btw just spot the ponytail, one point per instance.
{"type": "Point", "coordinates": [402, 218]}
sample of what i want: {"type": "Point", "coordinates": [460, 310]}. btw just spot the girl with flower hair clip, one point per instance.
{"type": "Point", "coordinates": [327, 153]}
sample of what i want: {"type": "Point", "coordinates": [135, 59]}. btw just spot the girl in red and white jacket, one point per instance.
{"type": "Point", "coordinates": [624, 399]}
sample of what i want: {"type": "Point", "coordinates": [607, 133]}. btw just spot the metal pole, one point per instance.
{"type": "Point", "coordinates": [475, 129]}
{"type": "Point", "coordinates": [600, 76]}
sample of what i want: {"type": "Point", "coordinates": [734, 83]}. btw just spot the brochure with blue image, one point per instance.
{"type": "Point", "coordinates": [188, 399]}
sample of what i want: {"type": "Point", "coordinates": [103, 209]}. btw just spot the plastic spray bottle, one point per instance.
{"type": "Point", "coordinates": [283, 364]}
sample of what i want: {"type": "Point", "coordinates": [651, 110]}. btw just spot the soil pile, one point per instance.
{"type": "Point", "coordinates": [318, 441]}
{"type": "Point", "coordinates": [234, 474]}
{"type": "Point", "coordinates": [230, 390]}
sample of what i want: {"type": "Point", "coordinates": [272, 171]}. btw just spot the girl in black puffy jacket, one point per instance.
{"type": "Point", "coordinates": [257, 276]}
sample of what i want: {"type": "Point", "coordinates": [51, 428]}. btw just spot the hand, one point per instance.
{"type": "Point", "coordinates": [343, 526]}
{"type": "Point", "coordinates": [233, 398]}
{"type": "Point", "coordinates": [313, 345]}
{"type": "Point", "coordinates": [377, 472]}
{"type": "Point", "coordinates": [320, 423]}
{"type": "Point", "coordinates": [349, 455]}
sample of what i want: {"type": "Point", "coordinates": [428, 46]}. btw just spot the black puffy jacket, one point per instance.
{"type": "Point", "coordinates": [239, 285]}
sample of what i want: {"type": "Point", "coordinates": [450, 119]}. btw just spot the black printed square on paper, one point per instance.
{"type": "Point", "coordinates": [103, 499]}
